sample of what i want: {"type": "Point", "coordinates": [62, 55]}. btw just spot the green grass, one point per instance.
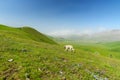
{"type": "Point", "coordinates": [37, 36]}
{"type": "Point", "coordinates": [45, 60]}
{"type": "Point", "coordinates": [25, 33]}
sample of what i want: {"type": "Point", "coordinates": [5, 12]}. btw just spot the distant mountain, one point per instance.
{"type": "Point", "coordinates": [112, 35]}
{"type": "Point", "coordinates": [105, 36]}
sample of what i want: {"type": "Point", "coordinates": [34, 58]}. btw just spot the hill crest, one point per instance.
{"type": "Point", "coordinates": [28, 32]}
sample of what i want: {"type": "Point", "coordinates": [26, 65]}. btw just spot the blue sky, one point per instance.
{"type": "Point", "coordinates": [61, 16]}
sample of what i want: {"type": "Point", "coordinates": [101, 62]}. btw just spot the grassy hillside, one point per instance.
{"type": "Point", "coordinates": [113, 46]}
{"type": "Point", "coordinates": [39, 60]}
{"type": "Point", "coordinates": [25, 33]}
{"type": "Point", "coordinates": [37, 36]}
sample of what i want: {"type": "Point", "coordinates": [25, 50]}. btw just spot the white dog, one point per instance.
{"type": "Point", "coordinates": [69, 48]}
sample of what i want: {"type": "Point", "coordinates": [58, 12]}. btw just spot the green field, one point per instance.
{"type": "Point", "coordinates": [36, 57]}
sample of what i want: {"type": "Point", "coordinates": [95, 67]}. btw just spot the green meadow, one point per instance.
{"type": "Point", "coordinates": [34, 56]}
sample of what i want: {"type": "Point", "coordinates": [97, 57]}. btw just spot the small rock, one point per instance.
{"type": "Point", "coordinates": [63, 78]}
{"type": "Point", "coordinates": [19, 67]}
{"type": "Point", "coordinates": [61, 72]}
{"type": "Point", "coordinates": [27, 78]}
{"type": "Point", "coordinates": [10, 60]}
{"type": "Point", "coordinates": [39, 69]}
{"type": "Point", "coordinates": [106, 78]}
{"type": "Point", "coordinates": [64, 60]}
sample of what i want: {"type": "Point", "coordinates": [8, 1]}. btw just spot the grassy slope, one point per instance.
{"type": "Point", "coordinates": [26, 33]}
{"type": "Point", "coordinates": [37, 36]}
{"type": "Point", "coordinates": [43, 61]}
{"type": "Point", "coordinates": [113, 46]}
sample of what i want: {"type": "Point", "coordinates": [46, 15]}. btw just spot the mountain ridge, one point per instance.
{"type": "Point", "coordinates": [26, 32]}
{"type": "Point", "coordinates": [104, 36]}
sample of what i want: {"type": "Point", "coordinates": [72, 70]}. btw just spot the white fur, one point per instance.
{"type": "Point", "coordinates": [69, 48]}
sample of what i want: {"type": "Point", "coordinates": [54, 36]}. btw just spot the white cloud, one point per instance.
{"type": "Point", "coordinates": [61, 32]}
{"type": "Point", "coordinates": [69, 32]}
{"type": "Point", "coordinates": [101, 29]}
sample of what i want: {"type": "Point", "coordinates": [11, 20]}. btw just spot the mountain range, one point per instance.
{"type": "Point", "coordinates": [104, 36]}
